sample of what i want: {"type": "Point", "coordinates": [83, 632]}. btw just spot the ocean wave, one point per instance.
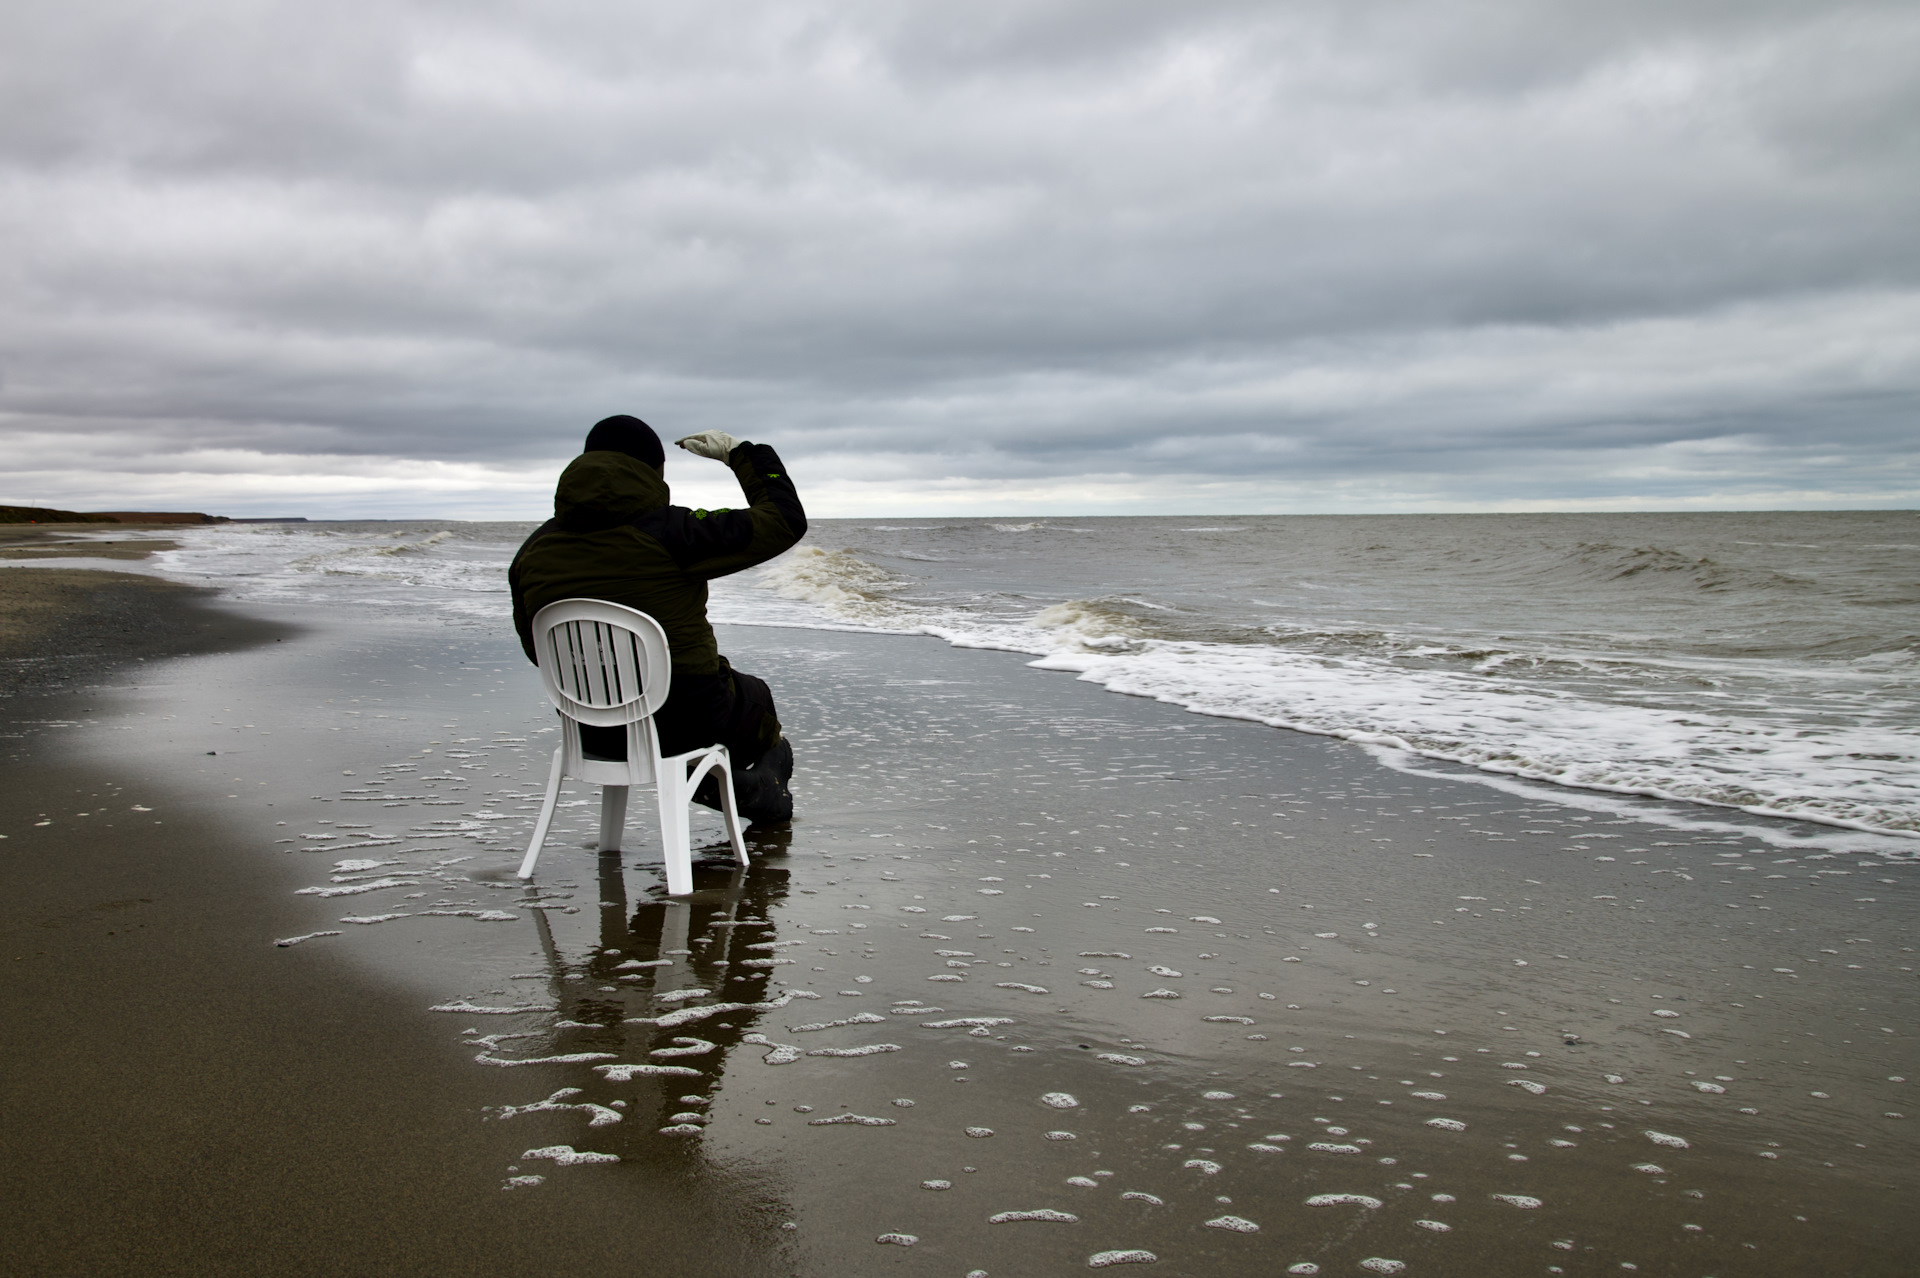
{"type": "Point", "coordinates": [1617, 666]}
{"type": "Point", "coordinates": [1854, 776]}
{"type": "Point", "coordinates": [1091, 622]}
{"type": "Point", "coordinates": [1610, 722]}
{"type": "Point", "coordinates": [838, 581]}
{"type": "Point", "coordinates": [1665, 567]}
{"type": "Point", "coordinates": [459, 570]}
{"type": "Point", "coordinates": [1675, 816]}
{"type": "Point", "coordinates": [411, 547]}
{"type": "Point", "coordinates": [353, 558]}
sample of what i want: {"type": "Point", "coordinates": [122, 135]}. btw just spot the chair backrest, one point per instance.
{"type": "Point", "coordinates": [602, 663]}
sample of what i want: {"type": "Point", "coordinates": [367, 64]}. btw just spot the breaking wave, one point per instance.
{"type": "Point", "coordinates": [1762, 663]}
{"type": "Point", "coordinates": [1749, 734]}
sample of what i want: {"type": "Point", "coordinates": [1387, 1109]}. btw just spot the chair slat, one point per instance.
{"type": "Point", "coordinates": [597, 664]}
{"type": "Point", "coordinates": [595, 635]}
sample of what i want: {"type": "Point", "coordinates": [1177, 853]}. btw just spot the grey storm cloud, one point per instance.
{"type": "Point", "coordinates": [1469, 250]}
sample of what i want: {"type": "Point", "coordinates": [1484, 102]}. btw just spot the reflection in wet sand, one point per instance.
{"type": "Point", "coordinates": [702, 960]}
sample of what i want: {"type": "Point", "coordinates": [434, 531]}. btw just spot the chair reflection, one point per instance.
{"type": "Point", "coordinates": [663, 954]}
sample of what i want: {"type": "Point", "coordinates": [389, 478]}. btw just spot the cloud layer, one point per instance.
{"type": "Point", "coordinates": [1077, 255]}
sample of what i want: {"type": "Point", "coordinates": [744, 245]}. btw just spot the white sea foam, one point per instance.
{"type": "Point", "coordinates": [1592, 682]}
{"type": "Point", "coordinates": [853, 1120]}
{"type": "Point", "coordinates": [858, 1018]}
{"type": "Point", "coordinates": [355, 889]}
{"type": "Point", "coordinates": [1597, 728]}
{"type": "Point", "coordinates": [627, 1073]}
{"type": "Point", "coordinates": [568, 1156]}
{"type": "Point", "coordinates": [1542, 734]}
{"type": "Point", "coordinates": [597, 1115]}
{"type": "Point", "coordinates": [969, 1022]}
{"type": "Point", "coordinates": [781, 1053]}
{"type": "Point", "coordinates": [466, 1008]}
{"type": "Point", "coordinates": [287, 941]}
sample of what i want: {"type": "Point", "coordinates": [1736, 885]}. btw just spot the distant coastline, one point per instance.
{"type": "Point", "coordinates": [49, 515]}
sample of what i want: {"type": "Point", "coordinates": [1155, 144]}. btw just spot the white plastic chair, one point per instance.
{"type": "Point", "coordinates": [606, 665]}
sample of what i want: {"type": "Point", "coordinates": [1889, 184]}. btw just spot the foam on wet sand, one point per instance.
{"type": "Point", "coordinates": [923, 771]}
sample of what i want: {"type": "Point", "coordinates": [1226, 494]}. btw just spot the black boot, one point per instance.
{"type": "Point", "coordinates": [761, 790]}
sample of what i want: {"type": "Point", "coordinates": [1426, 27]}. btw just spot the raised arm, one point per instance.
{"type": "Point", "coordinates": [714, 543]}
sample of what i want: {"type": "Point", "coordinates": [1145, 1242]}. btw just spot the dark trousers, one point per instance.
{"type": "Point", "coordinates": [730, 708]}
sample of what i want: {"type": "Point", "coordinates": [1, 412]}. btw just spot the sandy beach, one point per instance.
{"type": "Point", "coordinates": [182, 1098]}
{"type": "Point", "coordinates": [1041, 978]}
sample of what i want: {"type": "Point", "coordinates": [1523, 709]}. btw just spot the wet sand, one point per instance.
{"type": "Point", "coordinates": [184, 1099]}
{"type": "Point", "coordinates": [1214, 972]}
{"type": "Point", "coordinates": [28, 542]}
{"type": "Point", "coordinates": [69, 628]}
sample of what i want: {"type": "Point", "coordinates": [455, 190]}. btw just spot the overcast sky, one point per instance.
{"type": "Point", "coordinates": [1007, 256]}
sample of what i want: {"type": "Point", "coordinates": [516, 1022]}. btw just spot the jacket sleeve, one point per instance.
{"type": "Point", "coordinates": [522, 615]}
{"type": "Point", "coordinates": [715, 543]}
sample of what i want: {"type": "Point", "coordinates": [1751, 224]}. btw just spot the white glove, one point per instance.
{"type": "Point", "coordinates": [716, 444]}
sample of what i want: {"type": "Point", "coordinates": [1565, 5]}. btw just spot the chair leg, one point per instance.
{"type": "Point", "coordinates": [728, 808]}
{"type": "Point", "coordinates": [546, 816]}
{"type": "Point", "coordinates": [613, 816]}
{"type": "Point", "coordinates": [676, 847]}
{"type": "Point", "coordinates": [718, 762]}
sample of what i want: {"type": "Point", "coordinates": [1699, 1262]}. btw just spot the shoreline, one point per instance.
{"type": "Point", "coordinates": [183, 1099]}
{"type": "Point", "coordinates": [1684, 813]}
{"type": "Point", "coordinates": [1058, 826]}
{"type": "Point", "coordinates": [28, 542]}
{"type": "Point", "coordinates": [70, 629]}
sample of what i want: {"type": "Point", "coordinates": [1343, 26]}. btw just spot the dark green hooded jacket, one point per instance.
{"type": "Point", "coordinates": [614, 537]}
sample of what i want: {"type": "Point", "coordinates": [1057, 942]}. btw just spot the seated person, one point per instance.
{"type": "Point", "coordinates": [614, 537]}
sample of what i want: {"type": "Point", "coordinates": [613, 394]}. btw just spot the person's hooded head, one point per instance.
{"type": "Point", "coordinates": [614, 480]}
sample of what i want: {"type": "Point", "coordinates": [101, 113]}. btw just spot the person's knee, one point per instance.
{"type": "Point", "coordinates": [755, 722]}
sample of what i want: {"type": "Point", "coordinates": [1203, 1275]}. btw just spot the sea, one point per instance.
{"type": "Point", "coordinates": [1750, 671]}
